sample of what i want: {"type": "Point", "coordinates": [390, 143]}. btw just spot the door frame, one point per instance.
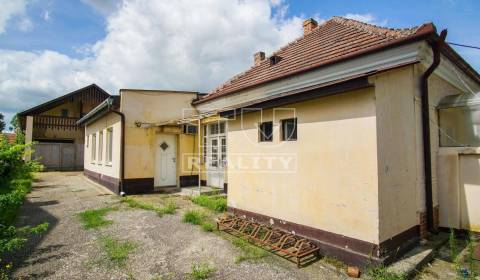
{"type": "Point", "coordinates": [219, 170]}
{"type": "Point", "coordinates": [157, 162]}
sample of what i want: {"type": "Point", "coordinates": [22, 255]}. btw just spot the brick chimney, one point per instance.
{"type": "Point", "coordinates": [309, 25]}
{"type": "Point", "coordinates": [258, 57]}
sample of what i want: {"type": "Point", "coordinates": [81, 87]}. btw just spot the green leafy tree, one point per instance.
{"type": "Point", "coordinates": [2, 122]}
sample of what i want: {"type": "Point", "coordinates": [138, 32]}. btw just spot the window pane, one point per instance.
{"type": "Point", "coordinates": [222, 127]}
{"type": "Point", "coordinates": [266, 131]}
{"type": "Point", "coordinates": [289, 129]}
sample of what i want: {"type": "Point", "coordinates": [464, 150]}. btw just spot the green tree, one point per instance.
{"type": "Point", "coordinates": [2, 122]}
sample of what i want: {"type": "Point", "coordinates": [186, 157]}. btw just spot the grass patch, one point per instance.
{"type": "Point", "coordinates": [170, 208]}
{"type": "Point", "coordinates": [201, 271]}
{"type": "Point", "coordinates": [209, 227]}
{"type": "Point", "coordinates": [132, 203]}
{"type": "Point", "coordinates": [116, 251]}
{"type": "Point", "coordinates": [215, 203]}
{"type": "Point", "coordinates": [194, 217]}
{"type": "Point", "coordinates": [249, 251]}
{"type": "Point", "coordinates": [381, 273]}
{"type": "Point", "coordinates": [95, 218]}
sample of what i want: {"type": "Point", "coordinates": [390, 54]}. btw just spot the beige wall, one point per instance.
{"type": "Point", "coordinates": [459, 188]}
{"type": "Point", "coordinates": [334, 185]}
{"type": "Point", "coordinates": [112, 169]}
{"type": "Point", "coordinates": [397, 173]}
{"type": "Point", "coordinates": [151, 107]}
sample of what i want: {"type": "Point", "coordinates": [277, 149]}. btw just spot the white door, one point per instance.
{"type": "Point", "coordinates": [166, 161]}
{"type": "Point", "coordinates": [217, 155]}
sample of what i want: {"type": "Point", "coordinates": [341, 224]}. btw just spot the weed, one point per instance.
{"type": "Point", "coordinates": [381, 273]}
{"type": "Point", "coordinates": [214, 203]}
{"type": "Point", "coordinates": [116, 251]}
{"type": "Point", "coordinates": [249, 252]}
{"type": "Point", "coordinates": [470, 261]}
{"type": "Point", "coordinates": [95, 218]}
{"type": "Point", "coordinates": [170, 208]}
{"type": "Point", "coordinates": [452, 242]}
{"type": "Point", "coordinates": [201, 271]}
{"type": "Point", "coordinates": [132, 203]}
{"type": "Point", "coordinates": [194, 217]}
{"type": "Point", "coordinates": [208, 226]}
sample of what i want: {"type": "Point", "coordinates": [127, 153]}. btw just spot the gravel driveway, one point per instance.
{"type": "Point", "coordinates": [166, 247]}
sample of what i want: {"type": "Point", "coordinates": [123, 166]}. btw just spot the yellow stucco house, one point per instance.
{"type": "Point", "coordinates": [335, 137]}
{"type": "Point", "coordinates": [135, 142]}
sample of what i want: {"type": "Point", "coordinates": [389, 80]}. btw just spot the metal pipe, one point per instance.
{"type": "Point", "coordinates": [427, 157]}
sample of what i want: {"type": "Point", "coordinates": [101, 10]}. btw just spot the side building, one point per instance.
{"type": "Point", "coordinates": [52, 127]}
{"type": "Point", "coordinates": [135, 142]}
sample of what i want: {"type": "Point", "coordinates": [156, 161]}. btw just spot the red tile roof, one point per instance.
{"type": "Point", "coordinates": [334, 40]}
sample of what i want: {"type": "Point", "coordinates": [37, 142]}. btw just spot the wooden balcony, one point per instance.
{"type": "Point", "coordinates": [55, 122]}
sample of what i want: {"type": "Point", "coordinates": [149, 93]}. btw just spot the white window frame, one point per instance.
{"type": "Point", "coordinates": [93, 151]}
{"type": "Point", "coordinates": [100, 147]}
{"type": "Point", "coordinates": [109, 146]}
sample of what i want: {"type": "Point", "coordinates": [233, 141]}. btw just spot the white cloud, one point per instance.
{"type": "Point", "coordinates": [46, 15]}
{"type": "Point", "coordinates": [181, 45]}
{"type": "Point", "coordinates": [367, 18]}
{"type": "Point", "coordinates": [9, 9]}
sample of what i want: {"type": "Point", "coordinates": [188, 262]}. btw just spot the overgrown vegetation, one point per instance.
{"type": "Point", "coordinates": [116, 251]}
{"type": "Point", "coordinates": [207, 226]}
{"type": "Point", "coordinates": [15, 183]}
{"type": "Point", "coordinates": [381, 273]}
{"type": "Point", "coordinates": [201, 271]}
{"type": "Point", "coordinates": [92, 219]}
{"type": "Point", "coordinates": [169, 208]}
{"type": "Point", "coordinates": [249, 251]}
{"type": "Point", "coordinates": [216, 203]}
{"type": "Point", "coordinates": [452, 243]}
{"type": "Point", "coordinates": [194, 217]}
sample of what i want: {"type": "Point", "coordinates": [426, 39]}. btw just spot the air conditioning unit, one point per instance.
{"type": "Point", "coordinates": [189, 129]}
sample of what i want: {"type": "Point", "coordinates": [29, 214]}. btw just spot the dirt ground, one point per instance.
{"type": "Point", "coordinates": [166, 247]}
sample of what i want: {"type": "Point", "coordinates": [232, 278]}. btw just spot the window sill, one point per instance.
{"type": "Point", "coordinates": [108, 164]}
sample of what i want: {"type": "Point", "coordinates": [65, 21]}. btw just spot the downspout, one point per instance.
{"type": "Point", "coordinates": [122, 144]}
{"type": "Point", "coordinates": [427, 156]}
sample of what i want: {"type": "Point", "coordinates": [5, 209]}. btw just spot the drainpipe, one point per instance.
{"type": "Point", "coordinates": [427, 157]}
{"type": "Point", "coordinates": [122, 144]}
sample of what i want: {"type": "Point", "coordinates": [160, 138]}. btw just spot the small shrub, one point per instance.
{"type": "Point", "coordinates": [209, 227]}
{"type": "Point", "coordinates": [194, 217]}
{"type": "Point", "coordinates": [381, 273]}
{"type": "Point", "coordinates": [92, 219]}
{"type": "Point", "coordinates": [116, 251]}
{"type": "Point", "coordinates": [201, 271]}
{"type": "Point", "coordinates": [214, 203]}
{"type": "Point", "coordinates": [170, 208]}
{"type": "Point", "coordinates": [249, 251]}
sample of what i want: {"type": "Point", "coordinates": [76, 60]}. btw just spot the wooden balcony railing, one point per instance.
{"type": "Point", "coordinates": [55, 122]}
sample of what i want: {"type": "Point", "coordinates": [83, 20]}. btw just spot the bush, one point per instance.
{"type": "Point", "coordinates": [15, 183]}
{"type": "Point", "coordinates": [215, 203]}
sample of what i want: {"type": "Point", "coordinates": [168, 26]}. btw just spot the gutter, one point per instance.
{"type": "Point", "coordinates": [436, 45]}
{"type": "Point", "coordinates": [122, 144]}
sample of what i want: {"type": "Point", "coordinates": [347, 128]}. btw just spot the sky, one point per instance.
{"type": "Point", "coordinates": [51, 47]}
